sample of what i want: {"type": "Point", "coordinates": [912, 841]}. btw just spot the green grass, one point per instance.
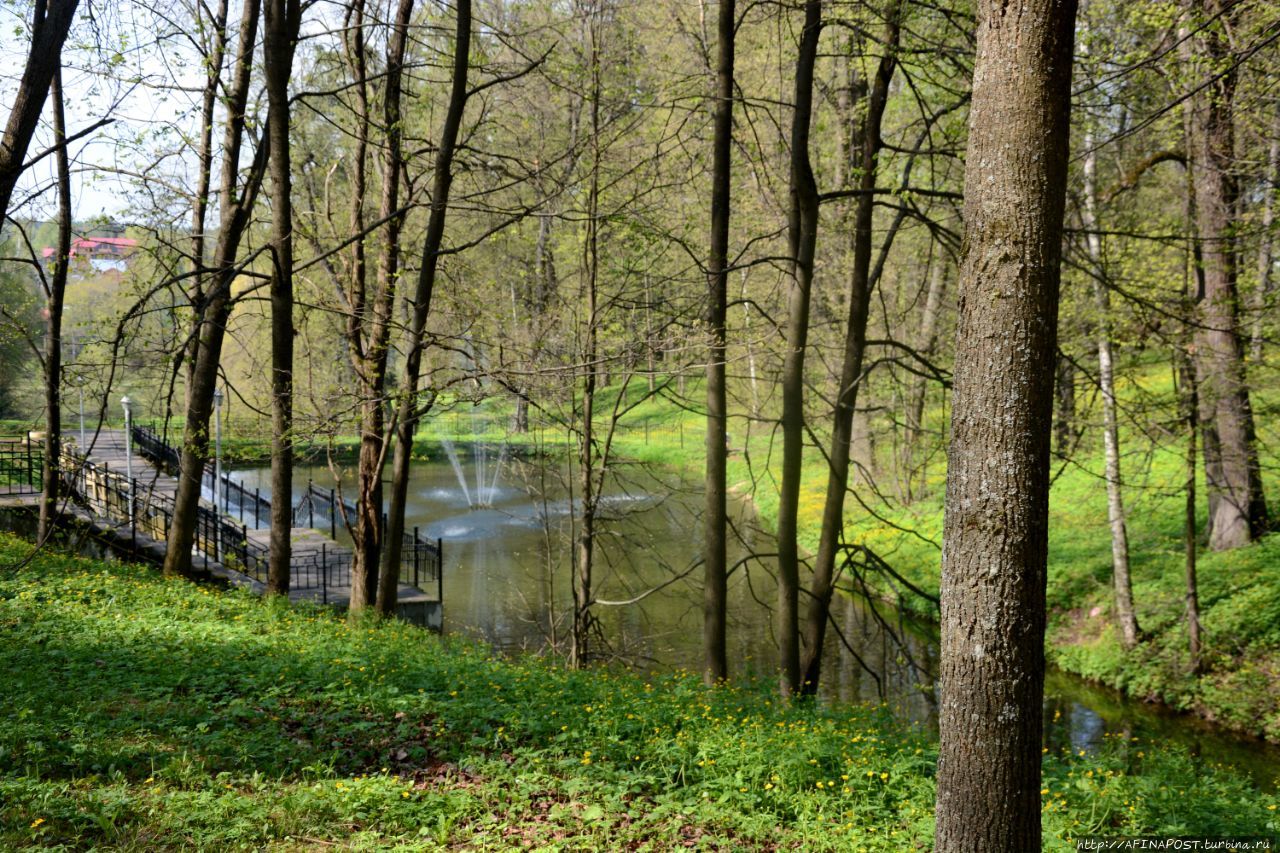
{"type": "Point", "coordinates": [1239, 685]}
{"type": "Point", "coordinates": [1240, 590]}
{"type": "Point", "coordinates": [146, 714]}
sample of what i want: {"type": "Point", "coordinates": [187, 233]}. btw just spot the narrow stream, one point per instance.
{"type": "Point", "coordinates": [506, 580]}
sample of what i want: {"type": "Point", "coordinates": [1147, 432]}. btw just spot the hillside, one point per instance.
{"type": "Point", "coordinates": [147, 714]}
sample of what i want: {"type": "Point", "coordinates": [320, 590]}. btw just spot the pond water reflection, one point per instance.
{"type": "Point", "coordinates": [507, 575]}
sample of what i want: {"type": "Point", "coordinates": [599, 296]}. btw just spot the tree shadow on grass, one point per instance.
{"type": "Point", "coordinates": [158, 703]}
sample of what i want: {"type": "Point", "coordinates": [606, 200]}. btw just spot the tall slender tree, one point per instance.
{"type": "Point", "coordinates": [409, 408]}
{"type": "Point", "coordinates": [214, 50]}
{"type": "Point", "coordinates": [56, 289]}
{"type": "Point", "coordinates": [867, 145]}
{"type": "Point", "coordinates": [995, 540]}
{"type": "Point", "coordinates": [236, 201]}
{"type": "Point", "coordinates": [282, 19]}
{"type": "Point", "coordinates": [714, 537]}
{"type": "Point", "coordinates": [373, 368]}
{"type": "Point", "coordinates": [802, 234]}
{"type": "Point", "coordinates": [1126, 618]}
{"type": "Point", "coordinates": [1265, 292]}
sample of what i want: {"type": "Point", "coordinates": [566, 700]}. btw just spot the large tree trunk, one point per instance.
{"type": "Point", "coordinates": [803, 237]}
{"type": "Point", "coordinates": [714, 602]}
{"type": "Point", "coordinates": [1126, 619]}
{"type": "Point", "coordinates": [409, 408]}
{"type": "Point", "coordinates": [1239, 515]}
{"type": "Point", "coordinates": [373, 440]}
{"type": "Point", "coordinates": [50, 23]}
{"type": "Point", "coordinates": [855, 345]}
{"type": "Point", "coordinates": [995, 540]}
{"type": "Point", "coordinates": [282, 20]}
{"type": "Point", "coordinates": [211, 322]}
{"type": "Point", "coordinates": [53, 333]}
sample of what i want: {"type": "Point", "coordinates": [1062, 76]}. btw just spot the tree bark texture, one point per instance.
{"type": "Point", "coordinates": [282, 21]}
{"type": "Point", "coordinates": [50, 23]}
{"type": "Point", "coordinates": [995, 539]}
{"type": "Point", "coordinates": [714, 552]}
{"type": "Point", "coordinates": [1239, 513]}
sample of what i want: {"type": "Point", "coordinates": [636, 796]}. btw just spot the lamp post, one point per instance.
{"type": "Point", "coordinates": [127, 404]}
{"type": "Point", "coordinates": [217, 449]}
{"type": "Point", "coordinates": [75, 356]}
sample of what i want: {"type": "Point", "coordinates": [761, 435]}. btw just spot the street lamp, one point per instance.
{"type": "Point", "coordinates": [75, 356]}
{"type": "Point", "coordinates": [217, 448]}
{"type": "Point", "coordinates": [83, 451]}
{"type": "Point", "coordinates": [127, 404]}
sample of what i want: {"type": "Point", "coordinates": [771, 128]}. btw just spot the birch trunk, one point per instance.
{"type": "Point", "coordinates": [1125, 616]}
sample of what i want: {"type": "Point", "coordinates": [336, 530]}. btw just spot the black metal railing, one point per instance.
{"type": "Point", "coordinates": [422, 563]}
{"type": "Point", "coordinates": [21, 466]}
{"type": "Point", "coordinates": [115, 497]}
{"type": "Point", "coordinates": [244, 503]}
{"type": "Point", "coordinates": [154, 448]}
{"type": "Point", "coordinates": [421, 560]}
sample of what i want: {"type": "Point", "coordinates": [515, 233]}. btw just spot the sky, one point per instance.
{"type": "Point", "coordinates": [138, 50]}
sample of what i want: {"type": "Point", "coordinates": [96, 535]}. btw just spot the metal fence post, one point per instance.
{"type": "Point", "coordinates": [415, 555]}
{"type": "Point", "coordinates": [324, 572]}
{"type": "Point", "coordinates": [257, 500]}
{"type": "Point", "coordinates": [440, 572]}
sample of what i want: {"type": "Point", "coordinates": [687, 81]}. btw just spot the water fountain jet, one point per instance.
{"type": "Point", "coordinates": [486, 484]}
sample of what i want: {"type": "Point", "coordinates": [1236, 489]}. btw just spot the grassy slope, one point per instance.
{"type": "Point", "coordinates": [1239, 590]}
{"type": "Point", "coordinates": [148, 714]}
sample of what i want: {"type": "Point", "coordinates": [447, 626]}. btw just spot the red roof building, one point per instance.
{"type": "Point", "coordinates": [97, 248]}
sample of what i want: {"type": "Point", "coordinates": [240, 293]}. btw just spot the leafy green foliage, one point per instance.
{"type": "Point", "coordinates": [143, 713]}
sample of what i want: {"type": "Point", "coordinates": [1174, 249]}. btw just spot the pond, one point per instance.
{"type": "Point", "coordinates": [507, 576]}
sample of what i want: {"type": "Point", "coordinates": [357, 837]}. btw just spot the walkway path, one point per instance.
{"type": "Point", "coordinates": [320, 568]}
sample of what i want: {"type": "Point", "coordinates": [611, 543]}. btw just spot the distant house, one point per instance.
{"type": "Point", "coordinates": [102, 253]}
